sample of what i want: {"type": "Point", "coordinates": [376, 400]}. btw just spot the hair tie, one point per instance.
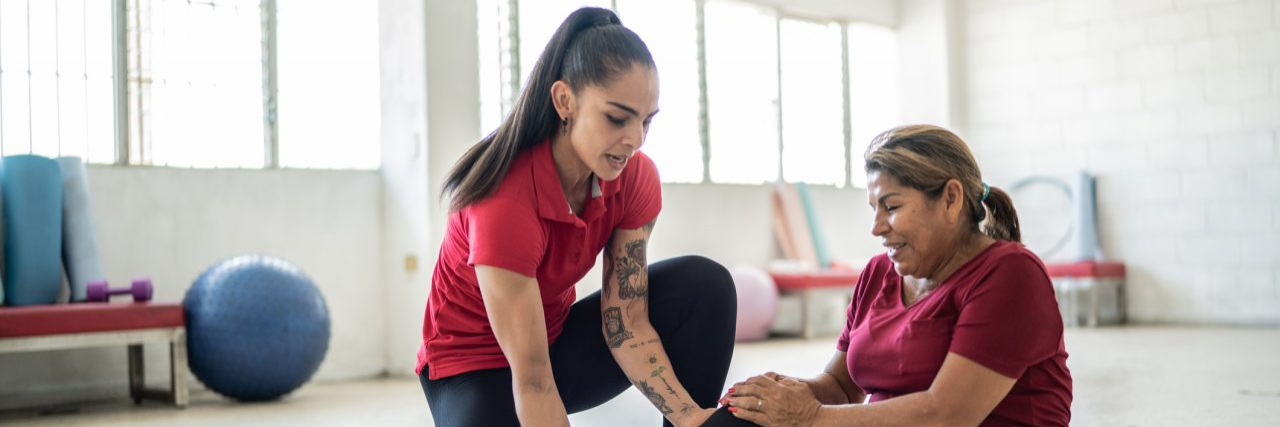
{"type": "Point", "coordinates": [986, 191]}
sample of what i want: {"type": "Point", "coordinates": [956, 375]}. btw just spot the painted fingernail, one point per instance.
{"type": "Point", "coordinates": [733, 409]}
{"type": "Point", "coordinates": [731, 389]}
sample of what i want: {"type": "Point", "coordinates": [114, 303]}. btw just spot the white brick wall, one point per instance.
{"type": "Point", "coordinates": [1174, 105]}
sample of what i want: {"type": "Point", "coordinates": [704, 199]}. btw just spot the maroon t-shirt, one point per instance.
{"type": "Point", "coordinates": [998, 310]}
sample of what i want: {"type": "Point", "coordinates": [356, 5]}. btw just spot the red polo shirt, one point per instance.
{"type": "Point", "coordinates": [525, 226]}
{"type": "Point", "coordinates": [998, 310]}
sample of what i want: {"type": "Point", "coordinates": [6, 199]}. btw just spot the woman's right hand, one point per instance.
{"type": "Point", "coordinates": [773, 400]}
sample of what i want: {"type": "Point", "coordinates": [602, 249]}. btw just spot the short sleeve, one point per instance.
{"type": "Point", "coordinates": [506, 234]}
{"type": "Point", "coordinates": [872, 272]}
{"type": "Point", "coordinates": [1010, 320]}
{"type": "Point", "coordinates": [641, 194]}
{"type": "Point", "coordinates": [842, 344]}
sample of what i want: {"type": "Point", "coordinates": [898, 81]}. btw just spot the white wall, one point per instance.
{"type": "Point", "coordinates": [171, 224]}
{"type": "Point", "coordinates": [1175, 105]}
{"type": "Point", "coordinates": [405, 154]}
{"type": "Point", "coordinates": [926, 34]}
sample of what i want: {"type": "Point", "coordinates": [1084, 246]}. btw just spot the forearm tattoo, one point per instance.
{"type": "Point", "coordinates": [642, 344]}
{"type": "Point", "coordinates": [657, 371]}
{"type": "Point", "coordinates": [654, 397]}
{"type": "Point", "coordinates": [607, 287]}
{"type": "Point", "coordinates": [631, 271]}
{"type": "Point", "coordinates": [615, 330]}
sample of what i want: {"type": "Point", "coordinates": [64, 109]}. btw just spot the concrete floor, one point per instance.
{"type": "Point", "coordinates": [1133, 376]}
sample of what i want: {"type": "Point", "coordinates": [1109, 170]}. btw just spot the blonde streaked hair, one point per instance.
{"type": "Point", "coordinates": [925, 157]}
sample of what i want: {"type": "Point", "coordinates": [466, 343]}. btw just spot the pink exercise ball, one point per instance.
{"type": "Point", "coordinates": [757, 302]}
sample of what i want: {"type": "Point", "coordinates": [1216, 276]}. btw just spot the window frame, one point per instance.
{"type": "Point", "coordinates": [131, 153]}
{"type": "Point", "coordinates": [513, 68]}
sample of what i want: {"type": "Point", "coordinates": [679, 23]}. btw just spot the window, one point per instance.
{"type": "Point", "coordinates": [873, 90]}
{"type": "Point", "coordinates": [248, 83]}
{"type": "Point", "coordinates": [493, 23]}
{"type": "Point", "coordinates": [742, 93]}
{"type": "Point", "coordinates": [670, 28]}
{"type": "Point", "coordinates": [204, 83]}
{"type": "Point", "coordinates": [195, 83]}
{"type": "Point", "coordinates": [538, 20]}
{"type": "Point", "coordinates": [329, 99]}
{"type": "Point", "coordinates": [56, 90]}
{"type": "Point", "coordinates": [812, 102]}
{"type": "Point", "coordinates": [749, 95]}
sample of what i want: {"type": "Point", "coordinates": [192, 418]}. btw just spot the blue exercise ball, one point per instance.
{"type": "Point", "coordinates": [257, 328]}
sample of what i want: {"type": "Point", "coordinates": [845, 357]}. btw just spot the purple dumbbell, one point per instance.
{"type": "Point", "coordinates": [98, 291]}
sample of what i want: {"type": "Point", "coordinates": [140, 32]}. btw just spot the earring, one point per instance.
{"type": "Point", "coordinates": [564, 125]}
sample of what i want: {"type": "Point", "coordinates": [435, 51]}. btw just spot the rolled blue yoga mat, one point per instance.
{"type": "Point", "coordinates": [32, 198]}
{"type": "Point", "coordinates": [1, 240]}
{"type": "Point", "coordinates": [79, 243]}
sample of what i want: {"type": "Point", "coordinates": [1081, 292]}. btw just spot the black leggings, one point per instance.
{"type": "Point", "coordinates": [692, 305]}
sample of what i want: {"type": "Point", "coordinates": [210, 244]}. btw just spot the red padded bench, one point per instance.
{"type": "Point", "coordinates": [1090, 293]}
{"type": "Point", "coordinates": [810, 283]}
{"type": "Point", "coordinates": [74, 326]}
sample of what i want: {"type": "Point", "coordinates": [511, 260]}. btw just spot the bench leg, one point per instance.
{"type": "Point", "coordinates": [806, 314]}
{"type": "Point", "coordinates": [178, 370]}
{"type": "Point", "coordinates": [137, 372]}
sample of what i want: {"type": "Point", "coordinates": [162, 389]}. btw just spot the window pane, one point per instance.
{"type": "Point", "coordinates": [670, 28]}
{"type": "Point", "coordinates": [812, 103]}
{"type": "Point", "coordinates": [492, 37]}
{"type": "Point", "coordinates": [14, 84]}
{"type": "Point", "coordinates": [742, 93]}
{"type": "Point", "coordinates": [48, 112]}
{"type": "Point", "coordinates": [71, 81]}
{"type": "Point", "coordinates": [329, 101]}
{"type": "Point", "coordinates": [539, 19]}
{"type": "Point", "coordinates": [198, 99]}
{"type": "Point", "coordinates": [873, 89]}
{"type": "Point", "coordinates": [100, 121]}
{"type": "Point", "coordinates": [44, 84]}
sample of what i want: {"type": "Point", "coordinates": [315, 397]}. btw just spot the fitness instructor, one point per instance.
{"type": "Point", "coordinates": [533, 203]}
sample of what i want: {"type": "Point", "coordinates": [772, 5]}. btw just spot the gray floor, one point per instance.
{"type": "Point", "coordinates": [1135, 376]}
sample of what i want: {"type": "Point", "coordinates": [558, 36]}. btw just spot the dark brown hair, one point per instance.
{"type": "Point", "coordinates": [925, 157]}
{"type": "Point", "coordinates": [591, 47]}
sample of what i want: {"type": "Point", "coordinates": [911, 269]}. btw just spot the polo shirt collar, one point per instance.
{"type": "Point", "coordinates": [552, 204]}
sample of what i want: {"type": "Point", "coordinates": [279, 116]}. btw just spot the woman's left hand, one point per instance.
{"type": "Point", "coordinates": [773, 400]}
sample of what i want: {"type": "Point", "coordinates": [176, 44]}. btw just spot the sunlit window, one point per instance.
{"type": "Point", "coordinates": [749, 95]}
{"type": "Point", "coordinates": [493, 36]}
{"type": "Point", "coordinates": [195, 77]}
{"type": "Point", "coordinates": [742, 92]}
{"type": "Point", "coordinates": [873, 89]}
{"type": "Point", "coordinates": [538, 21]}
{"type": "Point", "coordinates": [670, 29]}
{"type": "Point", "coordinates": [329, 103]}
{"type": "Point", "coordinates": [56, 78]}
{"type": "Point", "coordinates": [812, 102]}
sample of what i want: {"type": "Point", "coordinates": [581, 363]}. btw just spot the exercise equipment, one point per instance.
{"type": "Point", "coordinates": [79, 243]}
{"type": "Point", "coordinates": [99, 291]}
{"type": "Point", "coordinates": [32, 199]}
{"type": "Point", "coordinates": [757, 302]}
{"type": "Point", "coordinates": [257, 327]}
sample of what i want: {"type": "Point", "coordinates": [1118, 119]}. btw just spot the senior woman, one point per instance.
{"type": "Point", "coordinates": [956, 324]}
